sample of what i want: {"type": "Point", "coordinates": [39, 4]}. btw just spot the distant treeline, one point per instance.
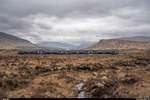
{"type": "Point", "coordinates": [70, 52]}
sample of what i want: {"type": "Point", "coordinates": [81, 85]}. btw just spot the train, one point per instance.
{"type": "Point", "coordinates": [70, 52]}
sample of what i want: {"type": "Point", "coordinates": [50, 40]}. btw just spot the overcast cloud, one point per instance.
{"type": "Point", "coordinates": [74, 21]}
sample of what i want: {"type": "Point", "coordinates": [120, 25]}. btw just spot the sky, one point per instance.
{"type": "Point", "coordinates": [74, 21]}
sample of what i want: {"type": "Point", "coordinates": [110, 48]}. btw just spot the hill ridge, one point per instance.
{"type": "Point", "coordinates": [120, 44]}
{"type": "Point", "coordinates": [8, 41]}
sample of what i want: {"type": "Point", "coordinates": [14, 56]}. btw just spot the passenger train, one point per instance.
{"type": "Point", "coordinates": [70, 52]}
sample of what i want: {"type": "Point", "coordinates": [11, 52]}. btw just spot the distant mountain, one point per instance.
{"type": "Point", "coordinates": [12, 42]}
{"type": "Point", "coordinates": [85, 45]}
{"type": "Point", "coordinates": [65, 46]}
{"type": "Point", "coordinates": [55, 45]}
{"type": "Point", "coordinates": [123, 43]}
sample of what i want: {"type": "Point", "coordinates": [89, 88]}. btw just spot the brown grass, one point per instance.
{"type": "Point", "coordinates": [55, 76]}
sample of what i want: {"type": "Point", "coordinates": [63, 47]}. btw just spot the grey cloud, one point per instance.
{"type": "Point", "coordinates": [74, 20]}
{"type": "Point", "coordinates": [58, 8]}
{"type": "Point", "coordinates": [12, 23]}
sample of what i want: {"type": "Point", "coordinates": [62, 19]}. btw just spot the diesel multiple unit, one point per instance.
{"type": "Point", "coordinates": [70, 52]}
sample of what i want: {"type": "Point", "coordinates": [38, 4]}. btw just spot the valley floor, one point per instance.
{"type": "Point", "coordinates": [125, 75]}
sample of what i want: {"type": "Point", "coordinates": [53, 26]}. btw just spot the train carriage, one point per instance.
{"type": "Point", "coordinates": [84, 52]}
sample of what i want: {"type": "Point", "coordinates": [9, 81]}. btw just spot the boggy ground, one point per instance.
{"type": "Point", "coordinates": [126, 75]}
